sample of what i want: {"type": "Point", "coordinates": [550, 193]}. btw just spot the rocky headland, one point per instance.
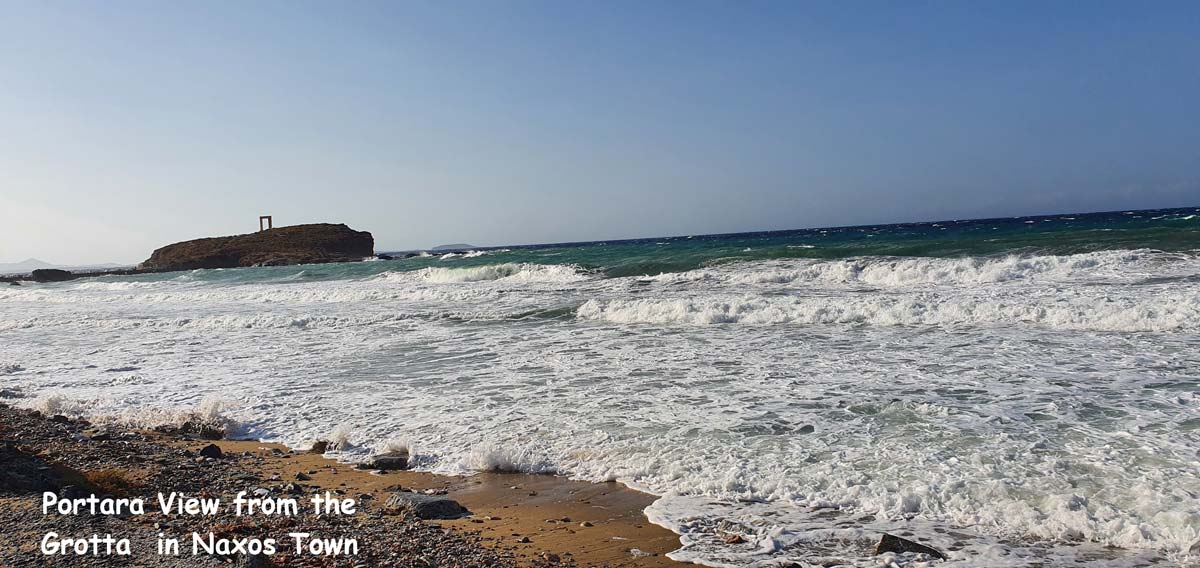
{"type": "Point", "coordinates": [297, 244]}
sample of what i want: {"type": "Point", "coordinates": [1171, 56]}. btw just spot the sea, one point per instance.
{"type": "Point", "coordinates": [1013, 392]}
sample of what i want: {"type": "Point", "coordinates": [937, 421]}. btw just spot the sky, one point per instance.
{"type": "Point", "coordinates": [128, 125]}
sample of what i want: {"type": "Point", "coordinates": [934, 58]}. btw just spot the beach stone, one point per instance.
{"type": "Point", "coordinates": [59, 419]}
{"type": "Point", "coordinates": [426, 506]}
{"type": "Point", "coordinates": [25, 473]}
{"type": "Point", "coordinates": [211, 451]}
{"type": "Point", "coordinates": [100, 436]}
{"type": "Point", "coordinates": [897, 545]}
{"type": "Point", "coordinates": [255, 561]}
{"type": "Point", "coordinates": [202, 431]}
{"type": "Point", "coordinates": [72, 492]}
{"type": "Point", "coordinates": [302, 477]}
{"type": "Point", "coordinates": [389, 461]}
{"type": "Point", "coordinates": [320, 447]}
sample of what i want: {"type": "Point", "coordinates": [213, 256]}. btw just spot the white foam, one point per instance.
{"type": "Point", "coordinates": [1111, 266]}
{"type": "Point", "coordinates": [507, 272]}
{"type": "Point", "coordinates": [1086, 313]}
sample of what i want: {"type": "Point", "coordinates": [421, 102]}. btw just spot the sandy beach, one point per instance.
{"type": "Point", "coordinates": [513, 519]}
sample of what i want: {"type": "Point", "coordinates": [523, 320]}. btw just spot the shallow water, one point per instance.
{"type": "Point", "coordinates": [1034, 398]}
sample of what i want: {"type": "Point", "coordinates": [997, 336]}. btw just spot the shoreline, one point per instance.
{"type": "Point", "coordinates": [514, 519]}
{"type": "Point", "coordinates": [593, 524]}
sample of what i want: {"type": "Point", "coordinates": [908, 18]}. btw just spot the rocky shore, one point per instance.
{"type": "Point", "coordinates": [403, 518]}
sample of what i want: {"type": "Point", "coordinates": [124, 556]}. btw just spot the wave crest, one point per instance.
{"type": "Point", "coordinates": [508, 272]}
{"type": "Point", "coordinates": [1164, 313]}
{"type": "Point", "coordinates": [920, 271]}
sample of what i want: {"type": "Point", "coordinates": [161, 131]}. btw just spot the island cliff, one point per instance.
{"type": "Point", "coordinates": [297, 244]}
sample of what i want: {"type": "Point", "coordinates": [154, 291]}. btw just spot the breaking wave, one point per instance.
{"type": "Point", "coordinates": [908, 271]}
{"type": "Point", "coordinates": [507, 272]}
{"type": "Point", "coordinates": [1163, 313]}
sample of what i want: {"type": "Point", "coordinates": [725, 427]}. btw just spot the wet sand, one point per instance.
{"type": "Point", "coordinates": [536, 517]}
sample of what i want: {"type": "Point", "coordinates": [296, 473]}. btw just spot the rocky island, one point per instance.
{"type": "Point", "coordinates": [297, 244]}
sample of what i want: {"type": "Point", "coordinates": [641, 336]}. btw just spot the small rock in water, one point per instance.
{"type": "Point", "coordinates": [320, 447]}
{"type": "Point", "coordinates": [51, 275]}
{"type": "Point", "coordinates": [390, 461]}
{"type": "Point", "coordinates": [807, 429]}
{"type": "Point", "coordinates": [202, 430]}
{"type": "Point", "coordinates": [892, 543]}
{"type": "Point", "coordinates": [211, 451]}
{"type": "Point", "coordinates": [734, 539]}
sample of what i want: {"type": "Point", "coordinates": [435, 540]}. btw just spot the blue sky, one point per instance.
{"type": "Point", "coordinates": [128, 125]}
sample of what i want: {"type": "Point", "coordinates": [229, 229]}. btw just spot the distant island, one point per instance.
{"type": "Point", "coordinates": [30, 264]}
{"type": "Point", "coordinates": [315, 243]}
{"type": "Point", "coordinates": [296, 244]}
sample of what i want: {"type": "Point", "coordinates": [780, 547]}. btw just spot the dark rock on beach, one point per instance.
{"type": "Point", "coordinates": [195, 428]}
{"type": "Point", "coordinates": [389, 461]}
{"type": "Point", "coordinates": [897, 545]}
{"type": "Point", "coordinates": [425, 506]}
{"type": "Point", "coordinates": [50, 275]}
{"type": "Point", "coordinates": [211, 451]}
{"type": "Point", "coordinates": [297, 244]}
{"type": "Point", "coordinates": [25, 473]}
